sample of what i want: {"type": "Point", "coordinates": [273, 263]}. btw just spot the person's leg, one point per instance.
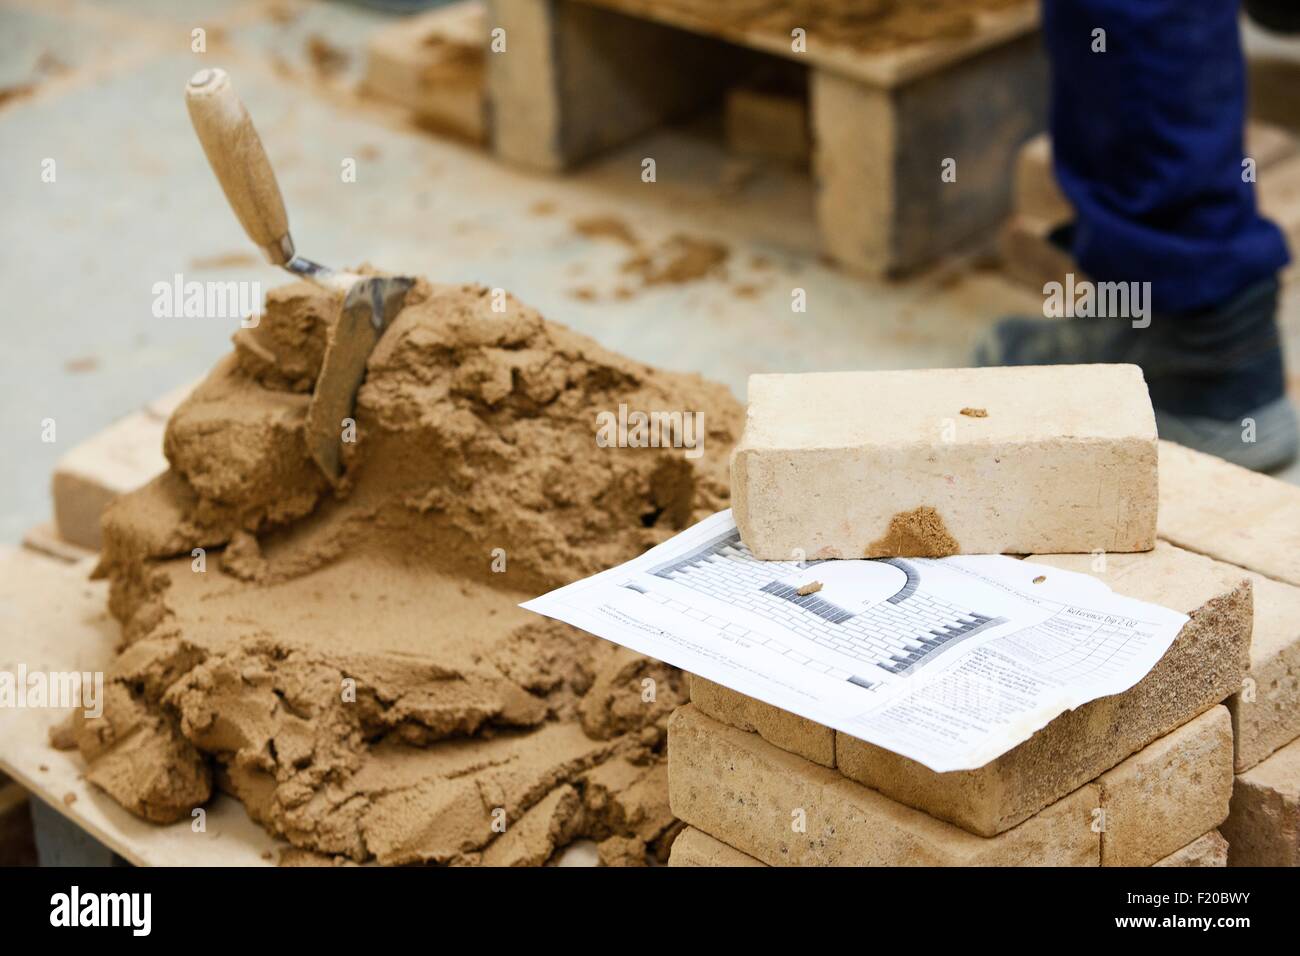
{"type": "Point", "coordinates": [1148, 147]}
{"type": "Point", "coordinates": [1147, 143]}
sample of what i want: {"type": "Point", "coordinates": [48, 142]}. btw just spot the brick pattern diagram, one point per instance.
{"type": "Point", "coordinates": [899, 634]}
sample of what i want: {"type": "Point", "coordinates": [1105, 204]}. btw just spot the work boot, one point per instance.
{"type": "Point", "coordinates": [1215, 376]}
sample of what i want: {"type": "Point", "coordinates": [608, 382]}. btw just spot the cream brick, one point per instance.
{"type": "Point", "coordinates": [1168, 793]}
{"type": "Point", "coordinates": [577, 80]}
{"type": "Point", "coordinates": [696, 848]}
{"type": "Point", "coordinates": [1208, 850]}
{"type": "Point", "coordinates": [847, 464]}
{"type": "Point", "coordinates": [1031, 258]}
{"type": "Point", "coordinates": [125, 456]}
{"type": "Point", "coordinates": [807, 738]}
{"type": "Point", "coordinates": [1266, 712]}
{"type": "Point", "coordinates": [748, 793]}
{"type": "Point", "coordinates": [1249, 520]}
{"type": "Point", "coordinates": [1263, 825]}
{"type": "Point", "coordinates": [1203, 666]}
{"type": "Point", "coordinates": [1279, 197]}
{"type": "Point", "coordinates": [434, 65]}
{"type": "Point", "coordinates": [879, 210]}
{"type": "Point", "coordinates": [1215, 508]}
{"type": "Point", "coordinates": [119, 459]}
{"type": "Point", "coordinates": [1037, 196]}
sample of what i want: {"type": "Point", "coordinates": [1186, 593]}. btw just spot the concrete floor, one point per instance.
{"type": "Point", "coordinates": [134, 203]}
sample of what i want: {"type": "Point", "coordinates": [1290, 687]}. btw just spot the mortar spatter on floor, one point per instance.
{"type": "Point", "coordinates": [351, 663]}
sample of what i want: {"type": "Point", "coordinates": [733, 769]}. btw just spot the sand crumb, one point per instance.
{"type": "Point", "coordinates": [49, 64]}
{"type": "Point", "coordinates": [736, 174]}
{"type": "Point", "coordinates": [226, 260]}
{"type": "Point", "coordinates": [281, 65]}
{"type": "Point", "coordinates": [919, 533]}
{"type": "Point", "coordinates": [975, 412]}
{"type": "Point", "coordinates": [605, 227]}
{"type": "Point", "coordinates": [282, 12]}
{"type": "Point", "coordinates": [19, 91]}
{"type": "Point", "coordinates": [812, 587]}
{"type": "Point", "coordinates": [678, 260]}
{"type": "Point", "coordinates": [326, 58]}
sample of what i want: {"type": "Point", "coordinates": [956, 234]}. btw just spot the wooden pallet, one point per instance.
{"type": "Point", "coordinates": [581, 76]}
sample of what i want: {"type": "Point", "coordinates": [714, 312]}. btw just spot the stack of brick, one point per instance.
{"type": "Point", "coordinates": [1253, 522]}
{"type": "Point", "coordinates": [1197, 764]}
{"type": "Point", "coordinates": [1139, 778]}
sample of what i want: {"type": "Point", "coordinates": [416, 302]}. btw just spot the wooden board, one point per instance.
{"type": "Point", "coordinates": [881, 68]}
{"type": "Point", "coordinates": [52, 618]}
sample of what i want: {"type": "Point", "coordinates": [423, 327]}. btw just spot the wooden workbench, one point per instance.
{"type": "Point", "coordinates": [577, 77]}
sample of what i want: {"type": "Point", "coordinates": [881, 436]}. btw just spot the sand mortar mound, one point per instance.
{"type": "Point", "coordinates": [351, 662]}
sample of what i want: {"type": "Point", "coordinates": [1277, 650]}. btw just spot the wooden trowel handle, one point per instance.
{"type": "Point", "coordinates": [235, 154]}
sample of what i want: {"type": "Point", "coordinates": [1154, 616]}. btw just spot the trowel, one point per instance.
{"type": "Point", "coordinates": [235, 153]}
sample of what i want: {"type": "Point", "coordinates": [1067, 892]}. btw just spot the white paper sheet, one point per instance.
{"type": "Point", "coordinates": [951, 661]}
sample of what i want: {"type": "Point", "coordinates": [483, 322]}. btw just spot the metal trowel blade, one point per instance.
{"type": "Point", "coordinates": [368, 307]}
